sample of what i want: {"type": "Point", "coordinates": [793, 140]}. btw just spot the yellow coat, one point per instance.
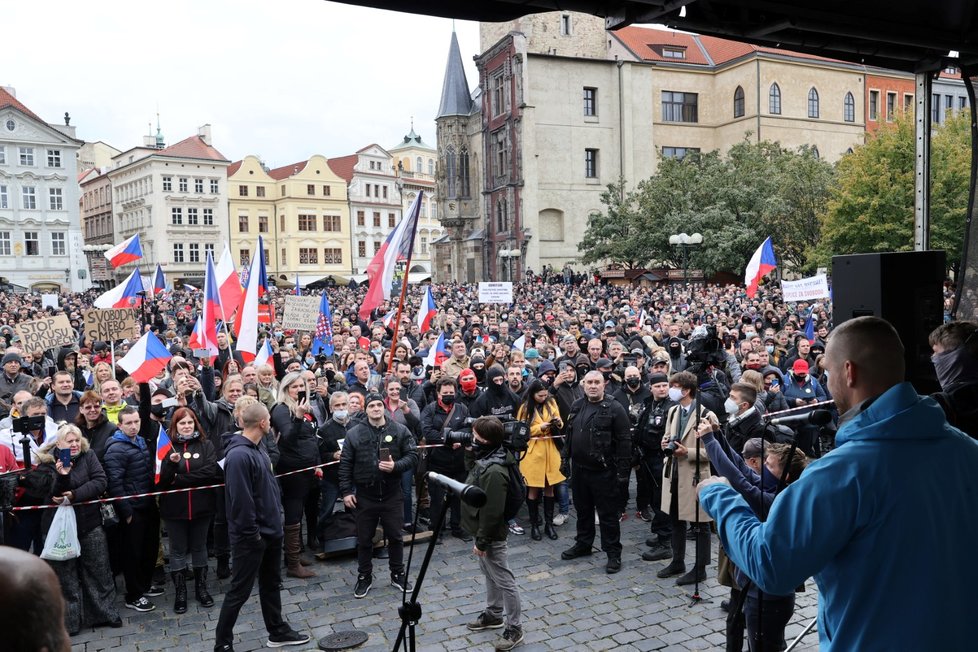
{"type": "Point", "coordinates": [541, 465]}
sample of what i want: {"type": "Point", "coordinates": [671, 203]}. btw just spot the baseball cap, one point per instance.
{"type": "Point", "coordinates": [800, 367]}
{"type": "Point", "coordinates": [604, 363]}
{"type": "Point", "coordinates": [753, 447]}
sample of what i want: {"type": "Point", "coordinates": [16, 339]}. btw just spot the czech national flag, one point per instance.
{"type": "Point", "coordinates": [398, 246]}
{"type": "Point", "coordinates": [427, 311]}
{"type": "Point", "coordinates": [265, 354]}
{"type": "Point", "coordinates": [388, 318]}
{"type": "Point", "coordinates": [125, 252]}
{"type": "Point", "coordinates": [124, 295]}
{"type": "Point", "coordinates": [163, 448]}
{"type": "Point", "coordinates": [211, 309]}
{"type": "Point", "coordinates": [761, 264]}
{"type": "Point", "coordinates": [229, 284]}
{"type": "Point", "coordinates": [438, 353]}
{"type": "Point", "coordinates": [159, 281]}
{"type": "Point", "coordinates": [145, 359]}
{"type": "Point", "coordinates": [246, 325]}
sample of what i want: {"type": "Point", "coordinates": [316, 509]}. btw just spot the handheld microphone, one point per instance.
{"type": "Point", "coordinates": [469, 494]}
{"type": "Point", "coordinates": [815, 418]}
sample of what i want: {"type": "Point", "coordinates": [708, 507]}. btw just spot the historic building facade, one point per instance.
{"type": "Point", "coordinates": [414, 164]}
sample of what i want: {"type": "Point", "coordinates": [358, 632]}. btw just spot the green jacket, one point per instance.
{"type": "Point", "coordinates": [490, 474]}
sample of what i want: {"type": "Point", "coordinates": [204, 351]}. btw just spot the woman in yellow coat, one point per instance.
{"type": "Point", "coordinates": [541, 465]}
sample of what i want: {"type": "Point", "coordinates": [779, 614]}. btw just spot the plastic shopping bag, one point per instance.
{"type": "Point", "coordinates": [62, 542]}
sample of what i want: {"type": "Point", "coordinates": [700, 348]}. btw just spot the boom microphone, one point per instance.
{"type": "Point", "coordinates": [469, 494]}
{"type": "Point", "coordinates": [815, 418]}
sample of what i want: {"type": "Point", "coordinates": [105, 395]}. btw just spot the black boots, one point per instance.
{"type": "Point", "coordinates": [548, 518]}
{"type": "Point", "coordinates": [180, 584]}
{"type": "Point", "coordinates": [223, 567]}
{"type": "Point", "coordinates": [200, 588]}
{"type": "Point", "coordinates": [534, 507]}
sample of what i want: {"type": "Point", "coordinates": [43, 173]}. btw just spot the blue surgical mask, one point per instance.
{"type": "Point", "coordinates": [675, 394]}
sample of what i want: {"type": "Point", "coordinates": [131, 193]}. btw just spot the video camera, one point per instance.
{"type": "Point", "coordinates": [704, 349]}
{"type": "Point", "coordinates": [516, 439]}
{"type": "Point", "coordinates": [24, 425]}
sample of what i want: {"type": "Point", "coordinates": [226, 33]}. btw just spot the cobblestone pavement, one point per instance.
{"type": "Point", "coordinates": [567, 605]}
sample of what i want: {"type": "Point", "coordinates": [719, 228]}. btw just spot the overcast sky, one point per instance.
{"type": "Point", "coordinates": [282, 80]}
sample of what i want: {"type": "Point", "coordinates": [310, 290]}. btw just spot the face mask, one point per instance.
{"type": "Point", "coordinates": [157, 410]}
{"type": "Point", "coordinates": [770, 348]}
{"type": "Point", "coordinates": [607, 375]}
{"type": "Point", "coordinates": [341, 415]}
{"type": "Point", "coordinates": [675, 394]}
{"type": "Point", "coordinates": [481, 450]}
{"type": "Point", "coordinates": [448, 399]}
{"type": "Point", "coordinates": [582, 371]}
{"type": "Point", "coordinates": [799, 379]}
{"type": "Point", "coordinates": [634, 382]}
{"type": "Point", "coordinates": [310, 361]}
{"type": "Point", "coordinates": [954, 366]}
{"type": "Point", "coordinates": [731, 407]}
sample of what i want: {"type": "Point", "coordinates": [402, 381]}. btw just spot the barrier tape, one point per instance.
{"type": "Point", "coordinates": [799, 408]}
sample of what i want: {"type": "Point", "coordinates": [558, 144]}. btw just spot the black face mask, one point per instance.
{"type": "Point", "coordinates": [448, 399]}
{"type": "Point", "coordinates": [607, 375]}
{"type": "Point", "coordinates": [581, 371]}
{"type": "Point", "coordinates": [633, 382]}
{"type": "Point", "coordinates": [481, 450]}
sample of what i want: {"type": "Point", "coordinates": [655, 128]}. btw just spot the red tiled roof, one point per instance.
{"type": "Point", "coordinates": [287, 171]}
{"type": "Point", "coordinates": [343, 166]}
{"type": "Point", "coordinates": [234, 167]}
{"type": "Point", "coordinates": [6, 99]}
{"type": "Point", "coordinates": [83, 174]}
{"type": "Point", "coordinates": [193, 147]}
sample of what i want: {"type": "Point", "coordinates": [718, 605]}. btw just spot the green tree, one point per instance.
{"type": "Point", "coordinates": [613, 236]}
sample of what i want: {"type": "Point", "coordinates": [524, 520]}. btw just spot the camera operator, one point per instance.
{"type": "Point", "coordinates": [955, 360]}
{"type": "Point", "coordinates": [487, 524]}
{"type": "Point", "coordinates": [686, 458]}
{"type": "Point", "coordinates": [647, 443]}
{"type": "Point", "coordinates": [445, 415]}
{"type": "Point", "coordinates": [598, 453]}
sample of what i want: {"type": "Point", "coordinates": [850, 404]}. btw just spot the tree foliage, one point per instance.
{"type": "Point", "coordinates": [613, 236]}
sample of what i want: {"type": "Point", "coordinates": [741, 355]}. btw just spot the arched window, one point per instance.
{"type": "Point", "coordinates": [815, 153]}
{"type": "Point", "coordinates": [849, 108]}
{"type": "Point", "coordinates": [431, 167]}
{"type": "Point", "coordinates": [774, 100]}
{"type": "Point", "coordinates": [419, 167]}
{"type": "Point", "coordinates": [813, 103]}
{"type": "Point", "coordinates": [450, 173]}
{"type": "Point", "coordinates": [739, 102]}
{"type": "Point", "coordinates": [463, 169]}
{"type": "Point", "coordinates": [502, 221]}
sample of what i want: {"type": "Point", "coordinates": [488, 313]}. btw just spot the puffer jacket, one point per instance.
{"type": "Point", "coordinates": [128, 465]}
{"type": "Point", "coordinates": [217, 417]}
{"type": "Point", "coordinates": [360, 457]}
{"type": "Point", "coordinates": [86, 480]}
{"type": "Point", "coordinates": [197, 467]}
{"type": "Point", "coordinates": [298, 447]}
{"type": "Point", "coordinates": [434, 421]}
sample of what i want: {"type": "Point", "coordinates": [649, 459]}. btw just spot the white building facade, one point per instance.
{"type": "Point", "coordinates": [414, 161]}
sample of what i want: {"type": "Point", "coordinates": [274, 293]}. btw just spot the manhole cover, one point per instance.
{"type": "Point", "coordinates": [343, 640]}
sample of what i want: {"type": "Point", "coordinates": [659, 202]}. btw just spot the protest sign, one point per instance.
{"type": "Point", "coordinates": [49, 301]}
{"type": "Point", "coordinates": [111, 325]}
{"type": "Point", "coordinates": [496, 292]}
{"type": "Point", "coordinates": [806, 289]}
{"type": "Point", "coordinates": [301, 313]}
{"type": "Point", "coordinates": [46, 333]}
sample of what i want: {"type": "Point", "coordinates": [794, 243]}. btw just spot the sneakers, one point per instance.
{"type": "Point", "coordinates": [399, 582]}
{"type": "Point", "coordinates": [154, 591]}
{"type": "Point", "coordinates": [658, 553]}
{"type": "Point", "coordinates": [364, 582]}
{"type": "Point", "coordinates": [512, 636]}
{"type": "Point", "coordinates": [140, 604]}
{"type": "Point", "coordinates": [288, 638]}
{"type": "Point", "coordinates": [517, 529]}
{"type": "Point", "coordinates": [485, 621]}
{"type": "Point", "coordinates": [644, 514]}
{"type": "Point", "coordinates": [560, 519]}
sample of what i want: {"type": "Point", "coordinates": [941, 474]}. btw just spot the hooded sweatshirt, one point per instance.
{"type": "Point", "coordinates": [254, 500]}
{"type": "Point", "coordinates": [496, 400]}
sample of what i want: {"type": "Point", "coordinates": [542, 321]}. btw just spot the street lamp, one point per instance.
{"type": "Point", "coordinates": [686, 242]}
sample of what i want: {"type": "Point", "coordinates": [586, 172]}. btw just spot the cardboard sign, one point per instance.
{"type": "Point", "coordinates": [111, 325]}
{"type": "Point", "coordinates": [46, 333]}
{"type": "Point", "coordinates": [806, 289]}
{"type": "Point", "coordinates": [496, 292]}
{"type": "Point", "coordinates": [301, 313]}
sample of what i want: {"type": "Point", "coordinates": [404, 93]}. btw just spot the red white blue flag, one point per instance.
{"type": "Point", "coordinates": [124, 295]}
{"type": "Point", "coordinates": [438, 353]}
{"type": "Point", "coordinates": [205, 331]}
{"type": "Point", "coordinates": [163, 448]}
{"type": "Point", "coordinates": [398, 246]}
{"type": "Point", "coordinates": [125, 252]}
{"type": "Point", "coordinates": [246, 325]}
{"type": "Point", "coordinates": [761, 264]}
{"type": "Point", "coordinates": [145, 359]}
{"type": "Point", "coordinates": [323, 341]}
{"type": "Point", "coordinates": [427, 310]}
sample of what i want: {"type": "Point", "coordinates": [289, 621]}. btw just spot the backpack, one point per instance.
{"type": "Point", "coordinates": [515, 492]}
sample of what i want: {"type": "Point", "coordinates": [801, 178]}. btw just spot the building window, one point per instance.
{"type": "Point", "coordinates": [308, 256]}
{"type": "Point", "coordinates": [307, 222]}
{"type": "Point", "coordinates": [55, 199]}
{"type": "Point", "coordinates": [310, 189]}
{"type": "Point", "coordinates": [58, 244]}
{"type": "Point", "coordinates": [3, 155]}
{"type": "Point", "coordinates": [377, 219]}
{"type": "Point", "coordinates": [385, 192]}
{"type": "Point", "coordinates": [176, 216]}
{"type": "Point", "coordinates": [591, 163]}
{"type": "Point", "coordinates": [215, 186]}
{"type": "Point", "coordinates": [502, 217]}
{"type": "Point", "coordinates": [590, 101]}
{"type": "Point", "coordinates": [431, 167]}
{"type": "Point", "coordinates": [242, 191]}
{"type": "Point", "coordinates": [376, 247]}
{"type": "Point", "coordinates": [283, 190]}
{"type": "Point", "coordinates": [739, 102]}
{"type": "Point", "coordinates": [244, 257]}
{"type": "Point", "coordinates": [263, 223]}
{"type": "Point", "coordinates": [679, 107]}
{"type": "Point", "coordinates": [812, 103]}
{"type": "Point", "coordinates": [177, 252]}
{"type": "Point", "coordinates": [874, 105]}
{"type": "Point", "coordinates": [209, 249]}
{"type": "Point", "coordinates": [282, 257]}
{"type": "Point", "coordinates": [849, 108]}
{"type": "Point", "coordinates": [498, 94]}
{"type": "Point", "coordinates": [332, 256]}
{"type": "Point", "coordinates": [325, 191]}
{"type": "Point", "coordinates": [673, 53]}
{"type": "Point", "coordinates": [815, 153]}
{"type": "Point", "coordinates": [243, 224]}
{"type": "Point", "coordinates": [183, 184]}
{"type": "Point", "coordinates": [935, 108]}
{"type": "Point", "coordinates": [463, 169]}
{"type": "Point", "coordinates": [450, 172]}
{"type": "Point", "coordinates": [198, 185]}
{"type": "Point", "coordinates": [948, 103]}
{"type": "Point", "coordinates": [208, 217]}
{"type": "Point", "coordinates": [361, 220]}
{"type": "Point", "coordinates": [679, 153]}
{"type": "Point", "coordinates": [424, 245]}
{"type": "Point", "coordinates": [362, 249]}
{"type": "Point", "coordinates": [5, 243]}
{"type": "Point", "coordinates": [907, 102]}
{"type": "Point", "coordinates": [774, 100]}
{"type": "Point", "coordinates": [28, 198]}
{"type": "Point", "coordinates": [54, 158]}
{"type": "Point", "coordinates": [565, 25]}
{"type": "Point", "coordinates": [32, 245]}
{"type": "Point", "coordinates": [27, 156]}
{"type": "Point", "coordinates": [260, 191]}
{"type": "Point", "coordinates": [4, 202]}
{"type": "Point", "coordinates": [167, 184]}
{"type": "Point", "coordinates": [194, 252]}
{"type": "Point", "coordinates": [890, 107]}
{"type": "Point", "coordinates": [367, 189]}
{"type": "Point", "coordinates": [391, 220]}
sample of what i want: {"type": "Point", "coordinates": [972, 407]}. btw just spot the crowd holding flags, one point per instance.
{"type": "Point", "coordinates": [163, 448]}
{"type": "Point", "coordinates": [760, 264]}
{"type": "Point", "coordinates": [145, 359]}
{"type": "Point", "coordinates": [229, 285]}
{"type": "Point", "coordinates": [205, 330]}
{"type": "Point", "coordinates": [159, 281]}
{"type": "Point", "coordinates": [427, 311]}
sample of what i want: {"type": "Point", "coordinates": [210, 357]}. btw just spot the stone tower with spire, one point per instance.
{"type": "Point", "coordinates": [459, 175]}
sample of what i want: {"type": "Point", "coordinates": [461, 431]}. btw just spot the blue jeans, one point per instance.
{"type": "Point", "coordinates": [562, 493]}
{"type": "Point", "coordinates": [329, 491]}
{"type": "Point", "coordinates": [407, 486]}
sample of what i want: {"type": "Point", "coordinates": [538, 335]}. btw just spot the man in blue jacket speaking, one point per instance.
{"type": "Point", "coordinates": [886, 522]}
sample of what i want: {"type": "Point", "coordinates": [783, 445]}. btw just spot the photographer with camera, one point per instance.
{"type": "Point", "coordinates": [597, 451]}
{"type": "Point", "coordinates": [491, 472]}
{"type": "Point", "coordinates": [443, 416]}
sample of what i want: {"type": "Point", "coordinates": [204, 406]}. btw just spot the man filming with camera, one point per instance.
{"type": "Point", "coordinates": [487, 524]}
{"type": "Point", "coordinates": [438, 418]}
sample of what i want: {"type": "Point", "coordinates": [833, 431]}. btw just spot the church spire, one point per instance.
{"type": "Point", "coordinates": [456, 98]}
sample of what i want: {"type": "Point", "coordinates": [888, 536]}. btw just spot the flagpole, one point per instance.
{"type": "Point", "coordinates": [404, 281]}
{"type": "Point", "coordinates": [112, 353]}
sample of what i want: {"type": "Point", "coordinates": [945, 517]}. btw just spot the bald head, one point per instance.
{"type": "Point", "coordinates": [864, 358]}
{"type": "Point", "coordinates": [31, 605]}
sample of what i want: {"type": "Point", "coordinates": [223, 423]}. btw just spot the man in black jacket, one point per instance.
{"type": "Point", "coordinates": [445, 414]}
{"type": "Point", "coordinates": [647, 440]}
{"type": "Point", "coordinates": [254, 503]}
{"type": "Point", "coordinates": [497, 400]}
{"type": "Point", "coordinates": [371, 483]}
{"type": "Point", "coordinates": [743, 419]}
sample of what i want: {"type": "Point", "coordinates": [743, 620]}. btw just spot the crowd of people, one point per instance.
{"type": "Point", "coordinates": [667, 384]}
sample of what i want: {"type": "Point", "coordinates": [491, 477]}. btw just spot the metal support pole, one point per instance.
{"type": "Point", "coordinates": [922, 132]}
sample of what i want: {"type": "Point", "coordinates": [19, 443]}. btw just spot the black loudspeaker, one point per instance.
{"type": "Point", "coordinates": [905, 289]}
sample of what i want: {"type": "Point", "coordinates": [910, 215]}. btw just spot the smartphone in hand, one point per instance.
{"type": "Point", "coordinates": [385, 455]}
{"type": "Point", "coordinates": [64, 454]}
